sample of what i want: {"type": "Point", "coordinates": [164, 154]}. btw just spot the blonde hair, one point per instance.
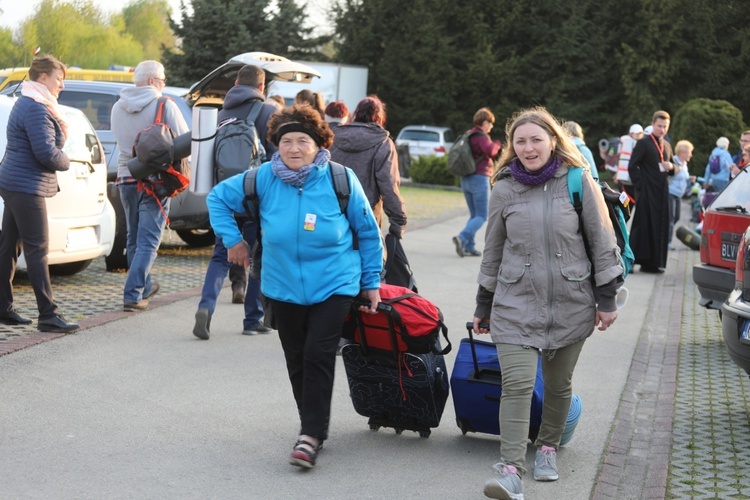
{"type": "Point", "coordinates": [683, 145]}
{"type": "Point", "coordinates": [563, 146]}
{"type": "Point", "coordinates": [573, 129]}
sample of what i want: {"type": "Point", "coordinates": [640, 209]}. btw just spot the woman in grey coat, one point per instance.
{"type": "Point", "coordinates": [536, 288]}
{"type": "Point", "coordinates": [364, 146]}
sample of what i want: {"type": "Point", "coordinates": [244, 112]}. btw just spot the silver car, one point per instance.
{"type": "Point", "coordinates": [425, 140]}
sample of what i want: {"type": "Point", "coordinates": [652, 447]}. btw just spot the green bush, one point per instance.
{"type": "Point", "coordinates": [702, 121]}
{"type": "Point", "coordinates": [432, 170]}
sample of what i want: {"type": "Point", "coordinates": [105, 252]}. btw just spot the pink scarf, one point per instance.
{"type": "Point", "coordinates": [41, 94]}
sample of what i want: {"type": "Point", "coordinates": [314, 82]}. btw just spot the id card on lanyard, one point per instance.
{"type": "Point", "coordinates": [660, 149]}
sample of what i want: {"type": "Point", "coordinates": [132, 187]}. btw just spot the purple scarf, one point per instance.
{"type": "Point", "coordinates": [541, 176]}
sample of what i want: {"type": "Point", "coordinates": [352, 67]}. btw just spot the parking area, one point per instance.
{"type": "Point", "coordinates": [96, 292]}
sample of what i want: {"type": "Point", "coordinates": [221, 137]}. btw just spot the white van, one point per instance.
{"type": "Point", "coordinates": [80, 217]}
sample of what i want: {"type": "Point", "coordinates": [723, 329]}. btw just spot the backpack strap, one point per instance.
{"type": "Point", "coordinates": [343, 193]}
{"type": "Point", "coordinates": [575, 191]}
{"type": "Point", "coordinates": [340, 185]}
{"type": "Point", "coordinates": [251, 196]}
{"type": "Point", "coordinates": [160, 103]}
{"type": "Point", "coordinates": [254, 111]}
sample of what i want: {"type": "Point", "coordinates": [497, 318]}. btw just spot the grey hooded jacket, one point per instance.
{"type": "Point", "coordinates": [536, 265]}
{"type": "Point", "coordinates": [133, 112]}
{"type": "Point", "coordinates": [371, 154]}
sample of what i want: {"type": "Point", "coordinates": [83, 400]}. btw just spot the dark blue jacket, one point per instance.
{"type": "Point", "coordinates": [34, 152]}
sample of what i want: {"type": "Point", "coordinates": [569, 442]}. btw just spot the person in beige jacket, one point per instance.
{"type": "Point", "coordinates": [538, 289]}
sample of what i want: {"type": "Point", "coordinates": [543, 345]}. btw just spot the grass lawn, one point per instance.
{"type": "Point", "coordinates": [426, 204]}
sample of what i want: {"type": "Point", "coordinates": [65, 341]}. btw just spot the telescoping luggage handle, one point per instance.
{"type": "Point", "coordinates": [394, 319]}
{"type": "Point", "coordinates": [478, 373]}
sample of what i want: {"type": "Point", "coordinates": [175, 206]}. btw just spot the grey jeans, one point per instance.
{"type": "Point", "coordinates": [519, 366]}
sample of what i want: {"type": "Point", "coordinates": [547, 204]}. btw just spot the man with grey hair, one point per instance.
{"type": "Point", "coordinates": [145, 217]}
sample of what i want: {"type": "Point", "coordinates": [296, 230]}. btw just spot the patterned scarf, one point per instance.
{"type": "Point", "coordinates": [297, 177]}
{"type": "Point", "coordinates": [41, 94]}
{"type": "Point", "coordinates": [541, 176]}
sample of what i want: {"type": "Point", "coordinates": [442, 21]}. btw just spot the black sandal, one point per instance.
{"type": "Point", "coordinates": [302, 457]}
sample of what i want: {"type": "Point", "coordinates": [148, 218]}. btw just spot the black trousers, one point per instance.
{"type": "Point", "coordinates": [310, 337]}
{"type": "Point", "coordinates": [25, 229]}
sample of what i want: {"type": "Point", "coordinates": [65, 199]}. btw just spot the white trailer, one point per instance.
{"type": "Point", "coordinates": [337, 82]}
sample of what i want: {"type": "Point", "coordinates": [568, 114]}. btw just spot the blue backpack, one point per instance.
{"type": "Point", "coordinates": [619, 213]}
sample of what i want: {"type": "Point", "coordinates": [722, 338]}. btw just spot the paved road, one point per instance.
{"type": "Point", "coordinates": [136, 407]}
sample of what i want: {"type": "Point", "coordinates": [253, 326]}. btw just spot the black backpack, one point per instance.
{"type": "Point", "coordinates": [237, 147]}
{"type": "Point", "coordinates": [340, 186]}
{"type": "Point", "coordinates": [154, 147]}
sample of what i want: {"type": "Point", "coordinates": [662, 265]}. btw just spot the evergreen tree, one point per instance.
{"type": "Point", "coordinates": [220, 29]}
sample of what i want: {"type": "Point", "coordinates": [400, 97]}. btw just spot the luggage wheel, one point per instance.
{"type": "Point", "coordinates": [398, 430]}
{"type": "Point", "coordinates": [462, 425]}
{"type": "Point", "coordinates": [424, 434]}
{"type": "Point", "coordinates": [374, 427]}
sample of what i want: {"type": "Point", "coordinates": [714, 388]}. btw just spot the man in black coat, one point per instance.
{"type": "Point", "coordinates": [248, 89]}
{"type": "Point", "coordinates": [649, 170]}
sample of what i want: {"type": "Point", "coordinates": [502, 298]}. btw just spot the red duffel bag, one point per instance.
{"type": "Point", "coordinates": [405, 322]}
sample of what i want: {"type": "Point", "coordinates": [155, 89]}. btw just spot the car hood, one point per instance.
{"type": "Point", "coordinates": [219, 81]}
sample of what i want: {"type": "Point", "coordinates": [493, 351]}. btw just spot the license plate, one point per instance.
{"type": "Point", "coordinates": [744, 327]}
{"type": "Point", "coordinates": [728, 251]}
{"type": "Point", "coordinates": [82, 237]}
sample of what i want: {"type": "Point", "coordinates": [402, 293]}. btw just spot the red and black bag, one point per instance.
{"type": "Point", "coordinates": [154, 146]}
{"type": "Point", "coordinates": [405, 322]}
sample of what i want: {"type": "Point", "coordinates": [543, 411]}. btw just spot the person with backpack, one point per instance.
{"type": "Point", "coordinates": [365, 146]}
{"type": "Point", "coordinates": [536, 289]}
{"type": "Point", "coordinates": [247, 114]}
{"type": "Point", "coordinates": [315, 258]}
{"type": "Point", "coordinates": [575, 132]}
{"type": "Point", "coordinates": [720, 165]}
{"type": "Point", "coordinates": [476, 185]}
{"type": "Point", "coordinates": [36, 133]}
{"type": "Point", "coordinates": [145, 214]}
{"type": "Point", "coordinates": [624, 151]}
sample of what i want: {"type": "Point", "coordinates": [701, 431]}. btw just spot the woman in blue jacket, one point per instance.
{"type": "Point", "coordinates": [311, 270]}
{"type": "Point", "coordinates": [28, 174]}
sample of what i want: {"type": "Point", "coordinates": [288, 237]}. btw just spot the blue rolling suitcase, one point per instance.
{"type": "Point", "coordinates": [476, 384]}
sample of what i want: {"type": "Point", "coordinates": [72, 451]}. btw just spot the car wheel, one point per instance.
{"type": "Point", "coordinates": [197, 237]}
{"type": "Point", "coordinates": [117, 258]}
{"type": "Point", "coordinates": [69, 269]}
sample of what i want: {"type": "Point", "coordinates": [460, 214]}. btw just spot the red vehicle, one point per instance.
{"type": "Point", "coordinates": [735, 322]}
{"type": "Point", "coordinates": [725, 220]}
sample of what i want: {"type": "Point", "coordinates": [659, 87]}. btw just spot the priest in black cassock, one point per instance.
{"type": "Point", "coordinates": [650, 168]}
